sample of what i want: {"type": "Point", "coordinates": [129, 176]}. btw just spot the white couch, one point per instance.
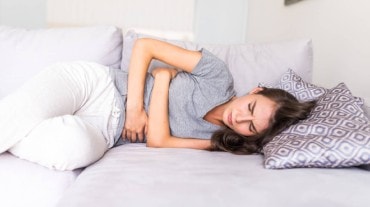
{"type": "Point", "coordinates": [133, 175]}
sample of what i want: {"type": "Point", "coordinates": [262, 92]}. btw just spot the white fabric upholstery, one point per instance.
{"type": "Point", "coordinates": [133, 175]}
{"type": "Point", "coordinates": [24, 183]}
{"type": "Point", "coordinates": [23, 53]}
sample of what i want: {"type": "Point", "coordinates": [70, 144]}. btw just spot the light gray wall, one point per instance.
{"type": "Point", "coordinates": [220, 21]}
{"type": "Point", "coordinates": [166, 18]}
{"type": "Point", "coordinates": [23, 13]}
{"type": "Point", "coordinates": [340, 30]}
{"type": "Point", "coordinates": [205, 21]}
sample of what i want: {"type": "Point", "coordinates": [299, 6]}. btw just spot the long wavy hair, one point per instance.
{"type": "Point", "coordinates": [288, 111]}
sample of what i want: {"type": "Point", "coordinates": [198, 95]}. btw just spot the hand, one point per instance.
{"type": "Point", "coordinates": [135, 127]}
{"type": "Point", "coordinates": [167, 71]}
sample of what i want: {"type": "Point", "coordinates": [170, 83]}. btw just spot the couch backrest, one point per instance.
{"type": "Point", "coordinates": [249, 64]}
{"type": "Point", "coordinates": [23, 53]}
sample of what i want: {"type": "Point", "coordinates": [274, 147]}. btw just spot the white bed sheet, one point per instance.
{"type": "Point", "coordinates": [25, 184]}
{"type": "Point", "coordinates": [133, 175]}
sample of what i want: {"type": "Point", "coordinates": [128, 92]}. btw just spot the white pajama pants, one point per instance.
{"type": "Point", "coordinates": [64, 118]}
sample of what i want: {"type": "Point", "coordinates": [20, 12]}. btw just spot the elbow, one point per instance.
{"type": "Point", "coordinates": [155, 142]}
{"type": "Point", "coordinates": [140, 43]}
{"type": "Point", "coordinates": [143, 44]}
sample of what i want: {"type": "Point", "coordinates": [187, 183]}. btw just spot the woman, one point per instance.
{"type": "Point", "coordinates": [68, 116]}
{"type": "Point", "coordinates": [247, 120]}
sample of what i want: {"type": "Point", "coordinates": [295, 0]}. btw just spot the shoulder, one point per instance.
{"type": "Point", "coordinates": [210, 64]}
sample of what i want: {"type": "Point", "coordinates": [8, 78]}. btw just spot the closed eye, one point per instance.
{"type": "Point", "coordinates": [251, 107]}
{"type": "Point", "coordinates": [252, 128]}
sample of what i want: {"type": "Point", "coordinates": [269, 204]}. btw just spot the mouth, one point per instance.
{"type": "Point", "coordinates": [229, 119]}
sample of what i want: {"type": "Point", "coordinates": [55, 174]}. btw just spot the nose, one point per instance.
{"type": "Point", "coordinates": [243, 118]}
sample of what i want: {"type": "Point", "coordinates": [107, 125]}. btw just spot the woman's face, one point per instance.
{"type": "Point", "coordinates": [249, 115]}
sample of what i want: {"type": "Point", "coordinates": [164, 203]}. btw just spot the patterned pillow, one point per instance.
{"type": "Point", "coordinates": [294, 84]}
{"type": "Point", "coordinates": [336, 134]}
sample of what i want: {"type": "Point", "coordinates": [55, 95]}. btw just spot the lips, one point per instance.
{"type": "Point", "coordinates": [229, 119]}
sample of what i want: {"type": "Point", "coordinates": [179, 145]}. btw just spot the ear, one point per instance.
{"type": "Point", "coordinates": [255, 90]}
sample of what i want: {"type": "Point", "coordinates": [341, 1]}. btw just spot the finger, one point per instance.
{"type": "Point", "coordinates": [128, 135]}
{"type": "Point", "coordinates": [145, 133]}
{"type": "Point", "coordinates": [146, 128]}
{"type": "Point", "coordinates": [140, 136]}
{"type": "Point", "coordinates": [123, 135]}
{"type": "Point", "coordinates": [133, 137]}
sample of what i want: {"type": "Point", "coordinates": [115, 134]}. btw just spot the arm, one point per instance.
{"type": "Point", "coordinates": [158, 127]}
{"type": "Point", "coordinates": [143, 52]}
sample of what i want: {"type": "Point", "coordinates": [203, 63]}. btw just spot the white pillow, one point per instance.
{"type": "Point", "coordinates": [249, 64]}
{"type": "Point", "coordinates": [23, 53]}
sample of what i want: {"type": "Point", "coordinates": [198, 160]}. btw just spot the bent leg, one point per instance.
{"type": "Point", "coordinates": [56, 91]}
{"type": "Point", "coordinates": [62, 143]}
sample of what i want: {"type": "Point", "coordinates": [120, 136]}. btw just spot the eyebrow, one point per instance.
{"type": "Point", "coordinates": [253, 128]}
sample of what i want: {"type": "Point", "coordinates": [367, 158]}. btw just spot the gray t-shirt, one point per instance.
{"type": "Point", "coordinates": [191, 95]}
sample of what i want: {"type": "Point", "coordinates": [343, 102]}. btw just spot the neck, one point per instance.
{"type": "Point", "coordinates": [215, 115]}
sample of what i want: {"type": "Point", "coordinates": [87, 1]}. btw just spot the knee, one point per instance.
{"type": "Point", "coordinates": [62, 143]}
{"type": "Point", "coordinates": [79, 147]}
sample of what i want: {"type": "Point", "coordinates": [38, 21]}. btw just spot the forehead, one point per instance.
{"type": "Point", "coordinates": [263, 101]}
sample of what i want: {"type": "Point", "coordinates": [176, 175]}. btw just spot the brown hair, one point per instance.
{"type": "Point", "coordinates": [288, 111]}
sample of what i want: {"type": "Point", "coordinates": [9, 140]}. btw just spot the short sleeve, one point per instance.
{"type": "Point", "coordinates": [213, 74]}
{"type": "Point", "coordinates": [213, 77]}
{"type": "Point", "coordinates": [209, 65]}
{"type": "Point", "coordinates": [192, 95]}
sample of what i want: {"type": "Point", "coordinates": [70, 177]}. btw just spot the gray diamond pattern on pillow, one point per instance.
{"type": "Point", "coordinates": [336, 134]}
{"type": "Point", "coordinates": [302, 90]}
{"type": "Point", "coordinates": [295, 85]}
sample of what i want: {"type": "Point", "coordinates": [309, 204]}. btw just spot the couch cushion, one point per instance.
{"type": "Point", "coordinates": [25, 52]}
{"type": "Point", "coordinates": [24, 183]}
{"type": "Point", "coordinates": [135, 175]}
